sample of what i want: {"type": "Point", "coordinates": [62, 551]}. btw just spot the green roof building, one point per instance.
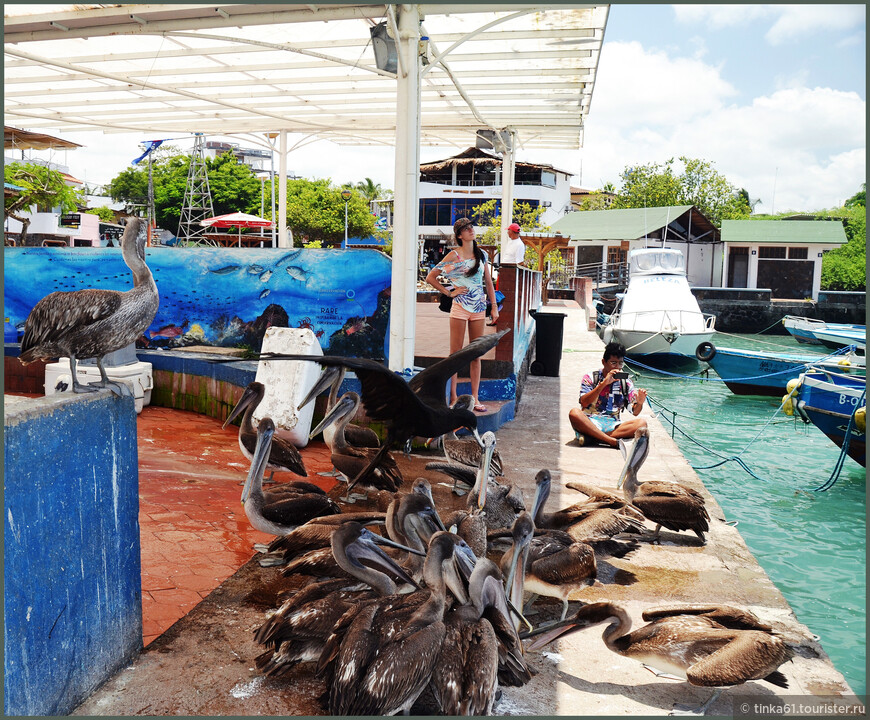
{"type": "Point", "coordinates": [782, 255]}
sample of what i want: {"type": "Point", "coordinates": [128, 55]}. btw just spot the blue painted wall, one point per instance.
{"type": "Point", "coordinates": [225, 296]}
{"type": "Point", "coordinates": [73, 605]}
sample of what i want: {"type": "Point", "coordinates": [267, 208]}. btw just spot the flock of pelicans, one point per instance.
{"type": "Point", "coordinates": [430, 605]}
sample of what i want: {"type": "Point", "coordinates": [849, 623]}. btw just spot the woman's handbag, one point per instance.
{"type": "Point", "coordinates": [445, 302]}
{"type": "Point", "coordinates": [499, 296]}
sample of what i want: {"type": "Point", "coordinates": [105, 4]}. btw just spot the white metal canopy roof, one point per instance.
{"type": "Point", "coordinates": [223, 69]}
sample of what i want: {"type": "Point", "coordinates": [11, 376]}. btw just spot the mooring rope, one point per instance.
{"type": "Point", "coordinates": [844, 449]}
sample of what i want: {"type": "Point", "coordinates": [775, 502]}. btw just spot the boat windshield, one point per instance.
{"type": "Point", "coordinates": [657, 261]}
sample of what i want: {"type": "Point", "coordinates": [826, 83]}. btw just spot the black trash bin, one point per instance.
{"type": "Point", "coordinates": [548, 342]}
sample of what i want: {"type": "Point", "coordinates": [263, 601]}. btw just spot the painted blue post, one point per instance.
{"type": "Point", "coordinates": [72, 573]}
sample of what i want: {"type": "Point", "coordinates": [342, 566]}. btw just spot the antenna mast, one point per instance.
{"type": "Point", "coordinates": [197, 205]}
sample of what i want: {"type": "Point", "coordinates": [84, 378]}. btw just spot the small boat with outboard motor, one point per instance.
{"type": "Point", "coordinates": [658, 319]}
{"type": "Point", "coordinates": [762, 372]}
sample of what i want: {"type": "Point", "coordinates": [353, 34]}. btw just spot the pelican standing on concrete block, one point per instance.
{"type": "Point", "coordinates": [93, 323]}
{"type": "Point", "coordinates": [709, 646]}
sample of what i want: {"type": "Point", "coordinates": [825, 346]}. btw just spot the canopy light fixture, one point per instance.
{"type": "Point", "coordinates": [386, 56]}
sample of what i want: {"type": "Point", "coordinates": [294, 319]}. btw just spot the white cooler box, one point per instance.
{"type": "Point", "coordinates": [138, 373]}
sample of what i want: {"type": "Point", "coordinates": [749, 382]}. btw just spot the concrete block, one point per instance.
{"type": "Point", "coordinates": [72, 574]}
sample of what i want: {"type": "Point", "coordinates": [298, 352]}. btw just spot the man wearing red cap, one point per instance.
{"type": "Point", "coordinates": [514, 250]}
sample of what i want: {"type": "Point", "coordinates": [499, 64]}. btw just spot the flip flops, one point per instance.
{"type": "Point", "coordinates": [478, 407]}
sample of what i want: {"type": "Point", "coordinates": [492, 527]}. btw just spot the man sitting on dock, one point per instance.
{"type": "Point", "coordinates": [604, 394]}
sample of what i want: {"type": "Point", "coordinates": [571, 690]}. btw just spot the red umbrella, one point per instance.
{"type": "Point", "coordinates": [238, 220]}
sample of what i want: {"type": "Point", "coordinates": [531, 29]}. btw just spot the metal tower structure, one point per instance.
{"type": "Point", "coordinates": [197, 204]}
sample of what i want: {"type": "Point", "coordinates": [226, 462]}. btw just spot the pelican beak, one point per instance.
{"type": "Point", "coordinates": [517, 575]}
{"type": "Point", "coordinates": [338, 412]}
{"type": "Point", "coordinates": [260, 459]}
{"type": "Point", "coordinates": [634, 457]}
{"type": "Point", "coordinates": [454, 581]}
{"type": "Point", "coordinates": [244, 401]}
{"type": "Point", "coordinates": [483, 473]}
{"type": "Point", "coordinates": [544, 636]}
{"type": "Point", "coordinates": [326, 379]}
{"type": "Point", "coordinates": [425, 523]}
{"type": "Point", "coordinates": [519, 615]}
{"type": "Point", "coordinates": [542, 489]}
{"type": "Point", "coordinates": [366, 547]}
{"type": "Point", "coordinates": [465, 558]}
{"type": "Point", "coordinates": [477, 436]}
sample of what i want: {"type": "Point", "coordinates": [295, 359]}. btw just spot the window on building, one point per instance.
{"type": "Point", "coordinates": [548, 179]}
{"type": "Point", "coordinates": [435, 211]}
{"type": "Point", "coordinates": [771, 252]}
{"type": "Point", "coordinates": [797, 253]}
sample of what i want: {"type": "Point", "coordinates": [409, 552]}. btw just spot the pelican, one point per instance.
{"type": "Point", "coordinates": [356, 435]}
{"type": "Point", "coordinates": [412, 522]}
{"type": "Point", "coordinates": [709, 646]}
{"type": "Point", "coordinates": [93, 323]}
{"type": "Point", "coordinates": [351, 461]}
{"type": "Point", "coordinates": [386, 655]}
{"type": "Point", "coordinates": [466, 450]}
{"type": "Point", "coordinates": [554, 564]}
{"type": "Point", "coordinates": [667, 504]}
{"type": "Point", "coordinates": [466, 675]}
{"type": "Point", "coordinates": [297, 631]}
{"type": "Point", "coordinates": [283, 454]}
{"type": "Point", "coordinates": [278, 513]}
{"type": "Point", "coordinates": [312, 535]}
{"type": "Point", "coordinates": [412, 409]}
{"type": "Point", "coordinates": [593, 520]}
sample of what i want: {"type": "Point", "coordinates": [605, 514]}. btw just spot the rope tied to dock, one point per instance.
{"type": "Point", "coordinates": [844, 449]}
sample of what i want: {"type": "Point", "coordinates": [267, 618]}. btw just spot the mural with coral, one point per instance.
{"type": "Point", "coordinates": [225, 296]}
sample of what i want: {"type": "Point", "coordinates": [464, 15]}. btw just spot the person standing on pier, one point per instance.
{"type": "Point", "coordinates": [604, 395]}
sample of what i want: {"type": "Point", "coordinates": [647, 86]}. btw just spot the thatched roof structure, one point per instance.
{"type": "Point", "coordinates": [474, 156]}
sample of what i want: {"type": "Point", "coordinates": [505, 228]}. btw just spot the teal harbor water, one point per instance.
{"type": "Point", "coordinates": [811, 544]}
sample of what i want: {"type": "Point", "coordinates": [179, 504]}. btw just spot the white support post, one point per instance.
{"type": "Point", "coordinates": [282, 191]}
{"type": "Point", "coordinates": [403, 306]}
{"type": "Point", "coordinates": [507, 189]}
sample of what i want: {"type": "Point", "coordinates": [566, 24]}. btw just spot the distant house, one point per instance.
{"type": "Point", "coordinates": [782, 255]}
{"type": "Point", "coordinates": [606, 236]}
{"type": "Point", "coordinates": [581, 198]}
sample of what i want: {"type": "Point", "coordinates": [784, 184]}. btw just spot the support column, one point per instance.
{"type": "Point", "coordinates": [403, 305]}
{"type": "Point", "coordinates": [282, 191]}
{"type": "Point", "coordinates": [507, 188]}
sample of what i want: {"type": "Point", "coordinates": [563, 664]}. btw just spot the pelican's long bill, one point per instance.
{"type": "Point", "coordinates": [634, 457]}
{"type": "Point", "coordinates": [327, 377]}
{"type": "Point", "coordinates": [364, 551]}
{"type": "Point", "coordinates": [246, 399]}
{"type": "Point", "coordinates": [338, 411]}
{"type": "Point", "coordinates": [545, 635]}
{"type": "Point", "coordinates": [488, 445]}
{"type": "Point", "coordinates": [265, 432]}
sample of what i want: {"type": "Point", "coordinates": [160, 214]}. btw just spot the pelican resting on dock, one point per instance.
{"type": "Point", "coordinates": [386, 653]}
{"type": "Point", "coordinates": [297, 631]}
{"type": "Point", "coordinates": [279, 513]}
{"type": "Point", "coordinates": [355, 435]}
{"type": "Point", "coordinates": [667, 504]}
{"type": "Point", "coordinates": [708, 645]}
{"type": "Point", "coordinates": [383, 472]}
{"type": "Point", "coordinates": [283, 454]}
{"type": "Point", "coordinates": [408, 409]}
{"type": "Point", "coordinates": [92, 323]}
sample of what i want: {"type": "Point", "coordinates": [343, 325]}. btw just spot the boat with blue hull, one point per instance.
{"type": "Point", "coordinates": [758, 372]}
{"type": "Point", "coordinates": [837, 338]}
{"type": "Point", "coordinates": [805, 330]}
{"type": "Point", "coordinates": [836, 408]}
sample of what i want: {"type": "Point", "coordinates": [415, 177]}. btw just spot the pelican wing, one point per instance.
{"type": "Point", "coordinates": [596, 494]}
{"type": "Point", "coordinates": [668, 489]}
{"type": "Point", "coordinates": [674, 513]}
{"type": "Point", "coordinates": [60, 313]}
{"type": "Point", "coordinates": [430, 384]}
{"type": "Point", "coordinates": [298, 509]}
{"type": "Point", "coordinates": [726, 615]}
{"type": "Point", "coordinates": [603, 523]}
{"type": "Point", "coordinates": [751, 655]}
{"type": "Point", "coordinates": [561, 564]}
{"type": "Point", "coordinates": [285, 454]}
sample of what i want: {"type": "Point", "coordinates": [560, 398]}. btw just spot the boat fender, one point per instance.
{"type": "Point", "coordinates": [787, 405]}
{"type": "Point", "coordinates": [844, 363]}
{"type": "Point", "coordinates": [705, 352]}
{"type": "Point", "coordinates": [607, 334]}
{"type": "Point", "coordinates": [861, 419]}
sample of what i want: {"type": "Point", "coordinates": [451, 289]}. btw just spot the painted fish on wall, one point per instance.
{"type": "Point", "coordinates": [225, 296]}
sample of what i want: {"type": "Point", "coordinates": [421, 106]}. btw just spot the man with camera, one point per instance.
{"type": "Point", "coordinates": [604, 394]}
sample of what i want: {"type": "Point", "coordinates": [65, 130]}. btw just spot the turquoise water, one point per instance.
{"type": "Point", "coordinates": [811, 544]}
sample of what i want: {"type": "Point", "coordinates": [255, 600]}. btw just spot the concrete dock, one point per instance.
{"type": "Point", "coordinates": [203, 665]}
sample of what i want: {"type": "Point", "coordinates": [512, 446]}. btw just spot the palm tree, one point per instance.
{"type": "Point", "coordinates": [369, 189]}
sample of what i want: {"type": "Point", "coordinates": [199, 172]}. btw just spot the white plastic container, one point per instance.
{"type": "Point", "coordinates": [138, 374]}
{"type": "Point", "coordinates": [287, 382]}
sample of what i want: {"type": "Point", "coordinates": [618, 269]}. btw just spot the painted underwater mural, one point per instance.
{"type": "Point", "coordinates": [225, 296]}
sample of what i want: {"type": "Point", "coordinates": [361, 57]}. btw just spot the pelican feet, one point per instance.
{"type": "Point", "coordinates": [119, 389]}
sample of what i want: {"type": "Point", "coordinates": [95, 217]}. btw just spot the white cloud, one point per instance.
{"type": "Point", "coordinates": [720, 16]}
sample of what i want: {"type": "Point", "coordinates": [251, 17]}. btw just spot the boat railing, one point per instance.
{"type": "Point", "coordinates": [668, 320]}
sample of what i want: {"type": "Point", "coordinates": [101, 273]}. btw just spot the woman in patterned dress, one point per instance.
{"type": "Point", "coordinates": [466, 267]}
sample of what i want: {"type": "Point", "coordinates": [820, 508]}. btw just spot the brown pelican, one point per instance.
{"type": "Point", "coordinates": [709, 646]}
{"type": "Point", "coordinates": [465, 678]}
{"type": "Point", "coordinates": [297, 631]}
{"type": "Point", "coordinates": [355, 435]}
{"type": "Point", "coordinates": [283, 455]}
{"type": "Point", "coordinates": [592, 520]}
{"type": "Point", "coordinates": [93, 323]}
{"type": "Point", "coordinates": [278, 513]}
{"type": "Point", "coordinates": [414, 409]}
{"type": "Point", "coordinates": [555, 564]}
{"type": "Point", "coordinates": [387, 653]}
{"type": "Point", "coordinates": [466, 450]}
{"type": "Point", "coordinates": [312, 535]}
{"type": "Point", "coordinates": [667, 504]}
{"type": "Point", "coordinates": [411, 521]}
{"type": "Point", "coordinates": [350, 461]}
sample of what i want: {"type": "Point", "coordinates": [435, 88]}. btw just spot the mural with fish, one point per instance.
{"type": "Point", "coordinates": [225, 296]}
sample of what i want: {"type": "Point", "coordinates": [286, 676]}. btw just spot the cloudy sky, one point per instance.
{"type": "Point", "coordinates": [773, 95]}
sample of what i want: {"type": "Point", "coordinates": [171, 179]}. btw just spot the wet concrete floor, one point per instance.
{"type": "Point", "coordinates": [203, 664]}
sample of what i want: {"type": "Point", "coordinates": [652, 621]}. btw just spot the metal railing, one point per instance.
{"type": "Point", "coordinates": [601, 274]}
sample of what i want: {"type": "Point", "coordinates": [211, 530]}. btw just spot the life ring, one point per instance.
{"type": "Point", "coordinates": [705, 352]}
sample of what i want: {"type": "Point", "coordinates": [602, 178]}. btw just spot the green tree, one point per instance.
{"type": "Point", "coordinates": [846, 267]}
{"type": "Point", "coordinates": [315, 211]}
{"type": "Point", "coordinates": [371, 190]}
{"type": "Point", "coordinates": [104, 213]}
{"type": "Point", "coordinates": [859, 199]}
{"type": "Point", "coordinates": [700, 184]}
{"type": "Point", "coordinates": [43, 188]}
